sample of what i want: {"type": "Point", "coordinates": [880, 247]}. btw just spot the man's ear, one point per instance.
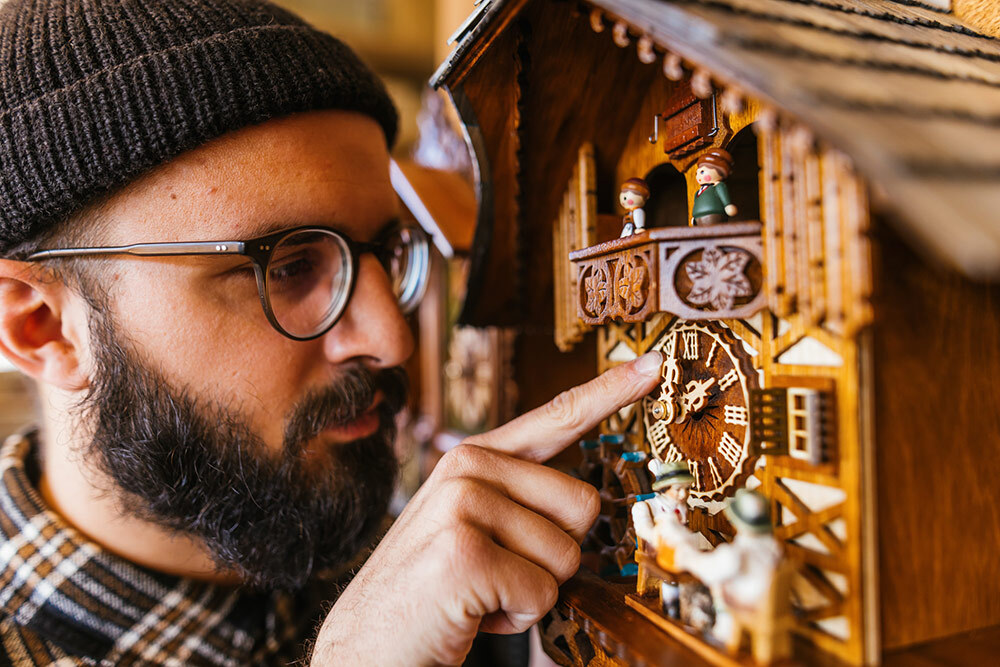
{"type": "Point", "coordinates": [40, 330]}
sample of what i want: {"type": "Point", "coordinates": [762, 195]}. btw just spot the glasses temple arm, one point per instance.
{"type": "Point", "coordinates": [149, 250]}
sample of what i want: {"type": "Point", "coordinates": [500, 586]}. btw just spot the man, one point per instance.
{"type": "Point", "coordinates": [217, 406]}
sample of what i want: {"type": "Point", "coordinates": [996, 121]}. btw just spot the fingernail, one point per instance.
{"type": "Point", "coordinates": [649, 363]}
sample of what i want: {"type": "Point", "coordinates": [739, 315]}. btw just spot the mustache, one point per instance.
{"type": "Point", "coordinates": [347, 399]}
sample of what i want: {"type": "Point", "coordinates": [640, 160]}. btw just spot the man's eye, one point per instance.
{"type": "Point", "coordinates": [241, 272]}
{"type": "Point", "coordinates": [295, 276]}
{"type": "Point", "coordinates": [290, 270]}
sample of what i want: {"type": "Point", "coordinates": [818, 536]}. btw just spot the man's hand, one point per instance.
{"type": "Point", "coordinates": [486, 541]}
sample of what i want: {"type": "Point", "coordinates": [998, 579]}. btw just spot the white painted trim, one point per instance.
{"type": "Point", "coordinates": [412, 200]}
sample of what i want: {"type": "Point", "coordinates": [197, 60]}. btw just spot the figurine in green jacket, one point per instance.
{"type": "Point", "coordinates": [711, 203]}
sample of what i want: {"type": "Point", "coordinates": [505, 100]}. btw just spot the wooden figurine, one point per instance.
{"type": "Point", "coordinates": [657, 520]}
{"type": "Point", "coordinates": [749, 580]}
{"type": "Point", "coordinates": [712, 203]}
{"type": "Point", "coordinates": [633, 196]}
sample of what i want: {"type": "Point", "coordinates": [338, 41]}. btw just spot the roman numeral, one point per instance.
{"type": "Point", "coordinates": [716, 477]}
{"type": "Point", "coordinates": [691, 345]}
{"type": "Point", "coordinates": [711, 352]}
{"type": "Point", "coordinates": [729, 379]}
{"type": "Point", "coordinates": [658, 437]}
{"type": "Point", "coordinates": [673, 454]}
{"type": "Point", "coordinates": [671, 346]}
{"type": "Point", "coordinates": [730, 449]}
{"type": "Point", "coordinates": [737, 415]}
{"type": "Point", "coordinates": [695, 469]}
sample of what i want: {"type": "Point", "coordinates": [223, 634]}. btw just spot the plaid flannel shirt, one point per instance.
{"type": "Point", "coordinates": [66, 600]}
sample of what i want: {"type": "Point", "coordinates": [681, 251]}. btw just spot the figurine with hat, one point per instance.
{"type": "Point", "coordinates": [712, 203]}
{"type": "Point", "coordinates": [633, 196]}
{"type": "Point", "coordinates": [660, 521]}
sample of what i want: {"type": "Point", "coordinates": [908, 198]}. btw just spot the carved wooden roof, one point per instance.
{"type": "Point", "coordinates": [910, 92]}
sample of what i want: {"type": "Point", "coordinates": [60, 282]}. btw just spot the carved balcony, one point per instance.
{"type": "Point", "coordinates": [697, 273]}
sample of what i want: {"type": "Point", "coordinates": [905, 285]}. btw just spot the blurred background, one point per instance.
{"type": "Point", "coordinates": [403, 40]}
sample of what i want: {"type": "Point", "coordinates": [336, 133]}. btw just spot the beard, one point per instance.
{"type": "Point", "coordinates": [196, 467]}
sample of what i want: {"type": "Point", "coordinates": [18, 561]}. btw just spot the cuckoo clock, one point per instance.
{"type": "Point", "coordinates": [828, 351]}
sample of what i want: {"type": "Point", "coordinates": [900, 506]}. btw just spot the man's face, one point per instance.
{"type": "Point", "coordinates": [187, 336]}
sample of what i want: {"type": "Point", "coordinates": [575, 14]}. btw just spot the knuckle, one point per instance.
{"type": "Point", "coordinates": [590, 503]}
{"type": "Point", "coordinates": [463, 458]}
{"type": "Point", "coordinates": [548, 595]}
{"type": "Point", "coordinates": [568, 560]}
{"type": "Point", "coordinates": [455, 493]}
{"type": "Point", "coordinates": [565, 409]}
{"type": "Point", "coordinates": [464, 546]}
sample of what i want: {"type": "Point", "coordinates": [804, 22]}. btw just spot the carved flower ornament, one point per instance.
{"type": "Point", "coordinates": [596, 286]}
{"type": "Point", "coordinates": [719, 278]}
{"type": "Point", "coordinates": [630, 284]}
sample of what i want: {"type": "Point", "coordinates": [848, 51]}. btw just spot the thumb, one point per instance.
{"type": "Point", "coordinates": [540, 434]}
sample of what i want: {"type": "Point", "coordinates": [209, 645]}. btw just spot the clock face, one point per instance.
{"type": "Point", "coordinates": [701, 411]}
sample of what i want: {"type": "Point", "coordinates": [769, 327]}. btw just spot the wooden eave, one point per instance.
{"type": "Point", "coordinates": [910, 93]}
{"type": "Point", "coordinates": [474, 43]}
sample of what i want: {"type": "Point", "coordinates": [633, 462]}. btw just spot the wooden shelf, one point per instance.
{"type": "Point", "coordinates": [655, 235]}
{"type": "Point", "coordinates": [599, 608]}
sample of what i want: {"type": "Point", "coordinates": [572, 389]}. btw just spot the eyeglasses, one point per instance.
{"type": "Point", "coordinates": [305, 276]}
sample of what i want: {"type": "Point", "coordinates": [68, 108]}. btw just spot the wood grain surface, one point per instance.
{"type": "Point", "coordinates": [937, 424]}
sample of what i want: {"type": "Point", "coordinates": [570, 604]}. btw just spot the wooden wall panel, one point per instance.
{"type": "Point", "coordinates": [937, 423]}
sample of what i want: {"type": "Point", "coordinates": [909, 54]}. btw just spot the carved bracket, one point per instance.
{"type": "Point", "coordinates": [698, 273]}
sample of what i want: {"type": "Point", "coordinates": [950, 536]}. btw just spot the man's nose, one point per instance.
{"type": "Point", "coordinates": [372, 329]}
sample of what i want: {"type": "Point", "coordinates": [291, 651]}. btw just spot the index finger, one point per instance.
{"type": "Point", "coordinates": [540, 434]}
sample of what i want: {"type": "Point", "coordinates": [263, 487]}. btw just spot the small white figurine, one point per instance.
{"type": "Point", "coordinates": [633, 196]}
{"type": "Point", "coordinates": [660, 522]}
{"type": "Point", "coordinates": [749, 580]}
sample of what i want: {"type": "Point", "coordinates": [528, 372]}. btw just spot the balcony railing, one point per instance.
{"type": "Point", "coordinates": [698, 273]}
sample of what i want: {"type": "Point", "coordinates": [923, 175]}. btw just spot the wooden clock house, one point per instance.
{"type": "Point", "coordinates": [845, 316]}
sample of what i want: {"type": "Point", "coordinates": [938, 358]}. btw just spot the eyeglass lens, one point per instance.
{"type": "Point", "coordinates": [406, 260]}
{"type": "Point", "coordinates": [309, 277]}
{"type": "Point", "coordinates": [308, 280]}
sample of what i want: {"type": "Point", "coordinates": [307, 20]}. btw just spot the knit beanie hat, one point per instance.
{"type": "Point", "coordinates": [93, 93]}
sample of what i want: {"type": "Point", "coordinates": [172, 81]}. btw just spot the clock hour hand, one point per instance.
{"type": "Point", "coordinates": [696, 396]}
